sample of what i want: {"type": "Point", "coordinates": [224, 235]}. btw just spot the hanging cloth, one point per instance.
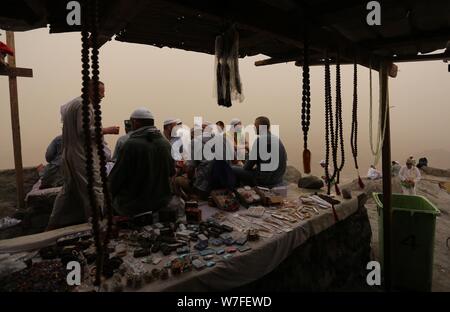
{"type": "Point", "coordinates": [376, 151]}
{"type": "Point", "coordinates": [228, 80]}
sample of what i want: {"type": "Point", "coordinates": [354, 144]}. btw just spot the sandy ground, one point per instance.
{"type": "Point", "coordinates": [428, 187]}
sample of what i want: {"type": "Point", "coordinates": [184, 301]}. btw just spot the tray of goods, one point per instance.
{"type": "Point", "coordinates": [248, 196]}
{"type": "Point", "coordinates": [225, 200]}
{"type": "Point", "coordinates": [268, 197]}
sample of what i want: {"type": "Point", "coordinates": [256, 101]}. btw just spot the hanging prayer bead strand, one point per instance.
{"type": "Point", "coordinates": [88, 140]}
{"type": "Point", "coordinates": [354, 130]}
{"type": "Point", "coordinates": [98, 123]}
{"type": "Point", "coordinates": [306, 107]}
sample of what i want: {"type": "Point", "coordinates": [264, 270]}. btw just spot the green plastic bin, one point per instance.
{"type": "Point", "coordinates": [413, 229]}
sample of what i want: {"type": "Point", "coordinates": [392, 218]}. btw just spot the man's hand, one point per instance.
{"type": "Point", "coordinates": [111, 130]}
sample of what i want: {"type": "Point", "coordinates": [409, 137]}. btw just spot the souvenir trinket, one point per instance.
{"type": "Point", "coordinates": [248, 196]}
{"type": "Point", "coordinates": [217, 242]}
{"type": "Point", "coordinates": [241, 241]}
{"type": "Point", "coordinates": [207, 252]}
{"type": "Point", "coordinates": [256, 212]}
{"type": "Point", "coordinates": [225, 200]}
{"type": "Point", "coordinates": [139, 253]}
{"type": "Point", "coordinates": [168, 264]}
{"type": "Point", "coordinates": [228, 241]}
{"type": "Point", "coordinates": [210, 264]}
{"type": "Point", "coordinates": [176, 267]}
{"type": "Point", "coordinates": [164, 274]}
{"type": "Point", "coordinates": [268, 198]}
{"type": "Point", "coordinates": [198, 264]}
{"type": "Point", "coordinates": [253, 235]}
{"type": "Point", "coordinates": [201, 245]}
{"type": "Point", "coordinates": [156, 273]}
{"type": "Point", "coordinates": [231, 250]}
{"type": "Point", "coordinates": [202, 238]}
{"type": "Point", "coordinates": [183, 250]}
{"type": "Point", "coordinates": [244, 248]}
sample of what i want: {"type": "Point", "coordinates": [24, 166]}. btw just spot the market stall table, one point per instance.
{"type": "Point", "coordinates": [265, 255]}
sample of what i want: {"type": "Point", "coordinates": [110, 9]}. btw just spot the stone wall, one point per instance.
{"type": "Point", "coordinates": [333, 260]}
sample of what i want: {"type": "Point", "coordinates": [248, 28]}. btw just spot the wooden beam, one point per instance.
{"type": "Point", "coordinates": [387, 180]}
{"type": "Point", "coordinates": [423, 57]}
{"type": "Point", "coordinates": [16, 72]}
{"type": "Point", "coordinates": [397, 42]}
{"type": "Point", "coordinates": [15, 124]}
{"type": "Point", "coordinates": [278, 60]}
{"type": "Point", "coordinates": [284, 26]}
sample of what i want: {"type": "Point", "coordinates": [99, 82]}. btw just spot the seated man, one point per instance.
{"type": "Point", "coordinates": [52, 175]}
{"type": "Point", "coordinates": [140, 179]}
{"type": "Point", "coordinates": [203, 173]}
{"type": "Point", "coordinates": [263, 171]}
{"type": "Point", "coordinates": [373, 173]}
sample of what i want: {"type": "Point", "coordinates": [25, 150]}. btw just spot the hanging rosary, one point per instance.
{"type": "Point", "coordinates": [354, 131]}
{"type": "Point", "coordinates": [339, 137]}
{"type": "Point", "coordinates": [306, 108]}
{"type": "Point", "coordinates": [329, 132]}
{"type": "Point", "coordinates": [90, 22]}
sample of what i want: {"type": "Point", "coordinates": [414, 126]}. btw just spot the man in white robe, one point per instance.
{"type": "Point", "coordinates": [409, 177]}
{"type": "Point", "coordinates": [72, 204]}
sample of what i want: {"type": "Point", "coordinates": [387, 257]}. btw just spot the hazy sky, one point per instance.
{"type": "Point", "coordinates": [178, 83]}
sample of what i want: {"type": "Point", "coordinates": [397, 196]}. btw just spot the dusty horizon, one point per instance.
{"type": "Point", "coordinates": [176, 83]}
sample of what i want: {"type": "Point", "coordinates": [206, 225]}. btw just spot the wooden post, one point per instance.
{"type": "Point", "coordinates": [387, 182]}
{"type": "Point", "coordinates": [15, 123]}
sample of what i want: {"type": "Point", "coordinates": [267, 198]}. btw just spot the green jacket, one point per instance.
{"type": "Point", "coordinates": [140, 179]}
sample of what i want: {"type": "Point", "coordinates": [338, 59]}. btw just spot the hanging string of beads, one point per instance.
{"type": "Point", "coordinates": [329, 131]}
{"type": "Point", "coordinates": [354, 131]}
{"type": "Point", "coordinates": [339, 137]}
{"type": "Point", "coordinates": [98, 122]}
{"type": "Point", "coordinates": [306, 106]}
{"type": "Point", "coordinates": [86, 114]}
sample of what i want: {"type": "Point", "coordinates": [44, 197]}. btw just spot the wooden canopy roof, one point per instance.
{"type": "Point", "coordinates": [274, 28]}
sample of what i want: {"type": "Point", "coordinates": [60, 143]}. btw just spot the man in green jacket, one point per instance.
{"type": "Point", "coordinates": [140, 179]}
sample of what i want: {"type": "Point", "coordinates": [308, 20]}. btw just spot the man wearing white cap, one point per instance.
{"type": "Point", "coordinates": [140, 179]}
{"type": "Point", "coordinates": [409, 177]}
{"type": "Point", "coordinates": [169, 124]}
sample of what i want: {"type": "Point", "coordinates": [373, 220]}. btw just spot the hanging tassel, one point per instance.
{"type": "Point", "coordinates": [307, 161]}
{"type": "Point", "coordinates": [336, 188]}
{"type": "Point", "coordinates": [360, 182]}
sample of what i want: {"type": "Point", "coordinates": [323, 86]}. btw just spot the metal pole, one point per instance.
{"type": "Point", "coordinates": [15, 124]}
{"type": "Point", "coordinates": [387, 182]}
